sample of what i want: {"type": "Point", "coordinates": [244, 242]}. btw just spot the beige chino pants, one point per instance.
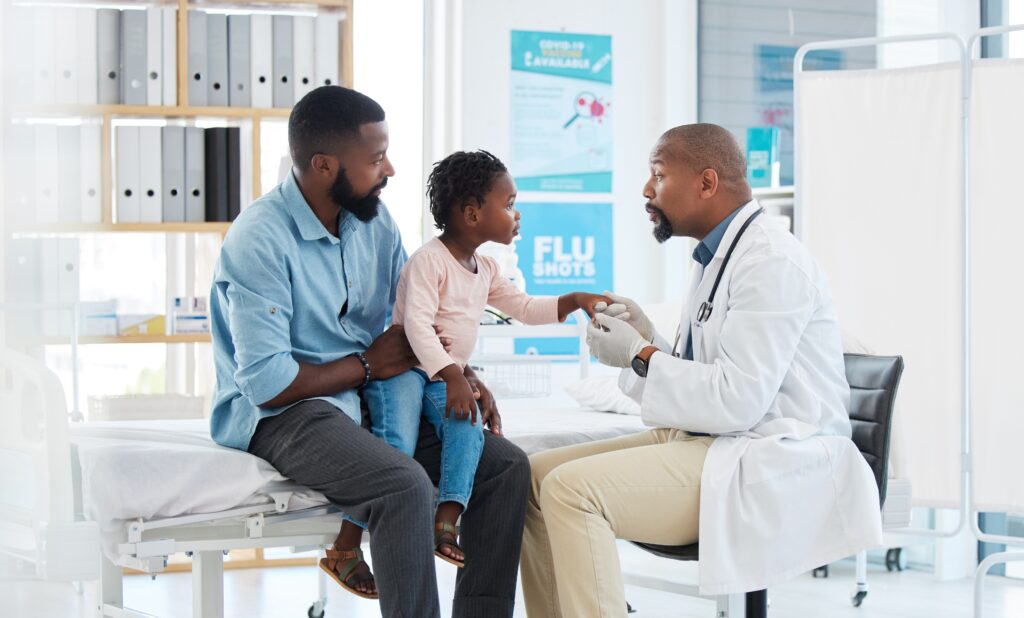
{"type": "Point", "coordinates": [643, 487]}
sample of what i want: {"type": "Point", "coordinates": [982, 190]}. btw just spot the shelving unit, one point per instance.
{"type": "Point", "coordinates": [181, 257]}
{"type": "Point", "coordinates": [196, 338]}
{"type": "Point", "coordinates": [107, 113]}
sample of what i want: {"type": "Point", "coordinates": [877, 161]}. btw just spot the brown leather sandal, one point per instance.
{"type": "Point", "coordinates": [346, 561]}
{"type": "Point", "coordinates": [447, 534]}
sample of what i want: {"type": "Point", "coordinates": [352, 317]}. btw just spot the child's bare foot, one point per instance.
{"type": "Point", "coordinates": [446, 535]}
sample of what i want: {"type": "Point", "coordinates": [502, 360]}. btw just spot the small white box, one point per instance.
{"type": "Point", "coordinates": [189, 323]}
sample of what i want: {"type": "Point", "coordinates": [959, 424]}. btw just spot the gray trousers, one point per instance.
{"type": "Point", "coordinates": [316, 445]}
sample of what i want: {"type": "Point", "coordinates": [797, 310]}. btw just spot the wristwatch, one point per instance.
{"type": "Point", "coordinates": [639, 366]}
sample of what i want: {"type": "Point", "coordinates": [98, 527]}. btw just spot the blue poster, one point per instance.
{"type": "Point", "coordinates": [775, 93]}
{"type": "Point", "coordinates": [561, 111]}
{"type": "Point", "coordinates": [564, 248]}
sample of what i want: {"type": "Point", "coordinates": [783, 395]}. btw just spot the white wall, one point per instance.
{"type": "Point", "coordinates": [388, 66]}
{"type": "Point", "coordinates": [654, 81]}
{"type": "Point", "coordinates": [896, 17]}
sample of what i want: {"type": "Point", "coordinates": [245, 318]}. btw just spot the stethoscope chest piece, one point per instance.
{"type": "Point", "coordinates": [704, 313]}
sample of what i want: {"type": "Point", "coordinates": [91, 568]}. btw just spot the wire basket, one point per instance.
{"type": "Point", "coordinates": [516, 380]}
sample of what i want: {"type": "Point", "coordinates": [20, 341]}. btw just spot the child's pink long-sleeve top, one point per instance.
{"type": "Point", "coordinates": [435, 290]}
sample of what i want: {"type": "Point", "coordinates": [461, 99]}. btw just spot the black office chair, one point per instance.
{"type": "Point", "coordinates": [873, 384]}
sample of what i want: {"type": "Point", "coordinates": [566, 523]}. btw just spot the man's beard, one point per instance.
{"type": "Point", "coordinates": [364, 208]}
{"type": "Point", "coordinates": [663, 230]}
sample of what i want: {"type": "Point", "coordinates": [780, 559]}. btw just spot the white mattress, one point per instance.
{"type": "Point", "coordinates": [160, 469]}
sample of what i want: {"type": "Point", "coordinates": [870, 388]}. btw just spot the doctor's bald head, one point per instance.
{"type": "Point", "coordinates": [703, 147]}
{"type": "Point", "coordinates": [698, 176]}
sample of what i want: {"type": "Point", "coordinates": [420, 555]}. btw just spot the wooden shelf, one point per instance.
{"type": "Point", "coordinates": [191, 338]}
{"type": "Point", "coordinates": [157, 228]}
{"type": "Point", "coordinates": [334, 4]}
{"type": "Point", "coordinates": [148, 111]}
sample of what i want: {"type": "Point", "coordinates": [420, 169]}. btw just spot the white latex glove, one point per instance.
{"type": "Point", "coordinates": [627, 310]}
{"type": "Point", "coordinates": [613, 341]}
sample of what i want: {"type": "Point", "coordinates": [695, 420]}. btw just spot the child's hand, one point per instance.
{"type": "Point", "coordinates": [461, 401]}
{"type": "Point", "coordinates": [589, 302]}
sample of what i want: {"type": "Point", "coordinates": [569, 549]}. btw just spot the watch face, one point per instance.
{"type": "Point", "coordinates": [639, 366]}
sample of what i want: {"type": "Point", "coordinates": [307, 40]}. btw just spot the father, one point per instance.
{"type": "Point", "coordinates": [301, 296]}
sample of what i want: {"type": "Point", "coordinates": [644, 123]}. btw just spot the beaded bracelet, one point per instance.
{"type": "Point", "coordinates": [366, 368]}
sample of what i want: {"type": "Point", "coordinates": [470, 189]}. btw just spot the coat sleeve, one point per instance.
{"type": "Point", "coordinates": [770, 305]}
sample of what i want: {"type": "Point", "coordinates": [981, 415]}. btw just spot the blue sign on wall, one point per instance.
{"type": "Point", "coordinates": [564, 248]}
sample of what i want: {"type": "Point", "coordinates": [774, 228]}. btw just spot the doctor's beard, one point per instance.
{"type": "Point", "coordinates": [364, 208]}
{"type": "Point", "coordinates": [663, 230]}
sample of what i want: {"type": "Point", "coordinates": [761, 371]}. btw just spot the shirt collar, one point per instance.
{"type": "Point", "coordinates": [310, 228]}
{"type": "Point", "coordinates": [707, 248]}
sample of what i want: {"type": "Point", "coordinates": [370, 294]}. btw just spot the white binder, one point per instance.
{"type": "Point", "coordinates": [239, 70]}
{"type": "Point", "coordinates": [69, 174]}
{"type": "Point", "coordinates": [197, 58]}
{"type": "Point", "coordinates": [302, 55]}
{"type": "Point", "coordinates": [19, 89]}
{"type": "Point", "coordinates": [150, 175]}
{"type": "Point", "coordinates": [262, 61]}
{"type": "Point", "coordinates": [49, 267]}
{"type": "Point", "coordinates": [127, 180]}
{"type": "Point", "coordinates": [68, 281]}
{"type": "Point", "coordinates": [108, 56]}
{"type": "Point", "coordinates": [217, 59]}
{"type": "Point", "coordinates": [133, 57]}
{"type": "Point", "coordinates": [89, 193]}
{"type": "Point", "coordinates": [86, 61]}
{"type": "Point", "coordinates": [284, 92]}
{"type": "Point", "coordinates": [154, 55]}
{"type": "Point", "coordinates": [169, 55]}
{"type": "Point", "coordinates": [65, 28]}
{"type": "Point", "coordinates": [173, 178]}
{"type": "Point", "coordinates": [44, 61]}
{"type": "Point", "coordinates": [46, 181]}
{"type": "Point", "coordinates": [20, 179]}
{"type": "Point", "coordinates": [195, 175]}
{"type": "Point", "coordinates": [325, 46]}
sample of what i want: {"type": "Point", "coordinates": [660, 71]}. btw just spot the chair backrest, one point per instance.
{"type": "Point", "coordinates": [873, 384]}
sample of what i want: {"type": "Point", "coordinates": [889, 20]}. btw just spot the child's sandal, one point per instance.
{"type": "Point", "coordinates": [446, 534]}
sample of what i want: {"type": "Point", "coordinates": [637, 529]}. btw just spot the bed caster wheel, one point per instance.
{"type": "Point", "coordinates": [858, 598]}
{"type": "Point", "coordinates": [892, 559]}
{"type": "Point", "coordinates": [821, 571]}
{"type": "Point", "coordinates": [314, 611]}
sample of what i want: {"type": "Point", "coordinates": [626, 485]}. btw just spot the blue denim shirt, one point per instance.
{"type": "Point", "coordinates": [285, 291]}
{"type": "Point", "coordinates": [703, 254]}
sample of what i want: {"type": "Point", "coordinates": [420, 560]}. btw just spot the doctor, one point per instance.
{"type": "Point", "coordinates": [750, 448]}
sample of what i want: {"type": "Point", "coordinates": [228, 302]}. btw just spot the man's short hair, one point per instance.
{"type": "Point", "coordinates": [325, 117]}
{"type": "Point", "coordinates": [707, 146]}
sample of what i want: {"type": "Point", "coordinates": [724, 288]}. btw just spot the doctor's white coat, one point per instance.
{"type": "Point", "coordinates": [784, 489]}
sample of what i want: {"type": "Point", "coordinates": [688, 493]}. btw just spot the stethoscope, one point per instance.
{"type": "Point", "coordinates": [708, 306]}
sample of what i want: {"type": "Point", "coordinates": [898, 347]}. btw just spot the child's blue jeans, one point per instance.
{"type": "Point", "coordinates": [396, 406]}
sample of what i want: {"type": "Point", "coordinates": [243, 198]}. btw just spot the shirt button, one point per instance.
{"type": "Point", "coordinates": [350, 284]}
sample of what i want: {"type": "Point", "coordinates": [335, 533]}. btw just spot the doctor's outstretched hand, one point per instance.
{"type": "Point", "coordinates": [614, 341]}
{"type": "Point", "coordinates": [628, 310]}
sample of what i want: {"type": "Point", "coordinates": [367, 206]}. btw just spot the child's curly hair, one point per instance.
{"type": "Point", "coordinates": [459, 177]}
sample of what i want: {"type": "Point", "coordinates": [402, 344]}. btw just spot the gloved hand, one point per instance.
{"type": "Point", "coordinates": [627, 310]}
{"type": "Point", "coordinates": [613, 341]}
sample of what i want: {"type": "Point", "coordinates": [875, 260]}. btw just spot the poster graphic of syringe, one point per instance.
{"type": "Point", "coordinates": [561, 122]}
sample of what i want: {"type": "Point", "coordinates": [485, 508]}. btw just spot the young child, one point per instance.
{"type": "Point", "coordinates": [442, 292]}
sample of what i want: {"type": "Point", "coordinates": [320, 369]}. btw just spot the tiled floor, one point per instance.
{"type": "Point", "coordinates": [286, 592]}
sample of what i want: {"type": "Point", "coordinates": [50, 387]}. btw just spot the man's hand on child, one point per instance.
{"type": "Point", "coordinates": [485, 400]}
